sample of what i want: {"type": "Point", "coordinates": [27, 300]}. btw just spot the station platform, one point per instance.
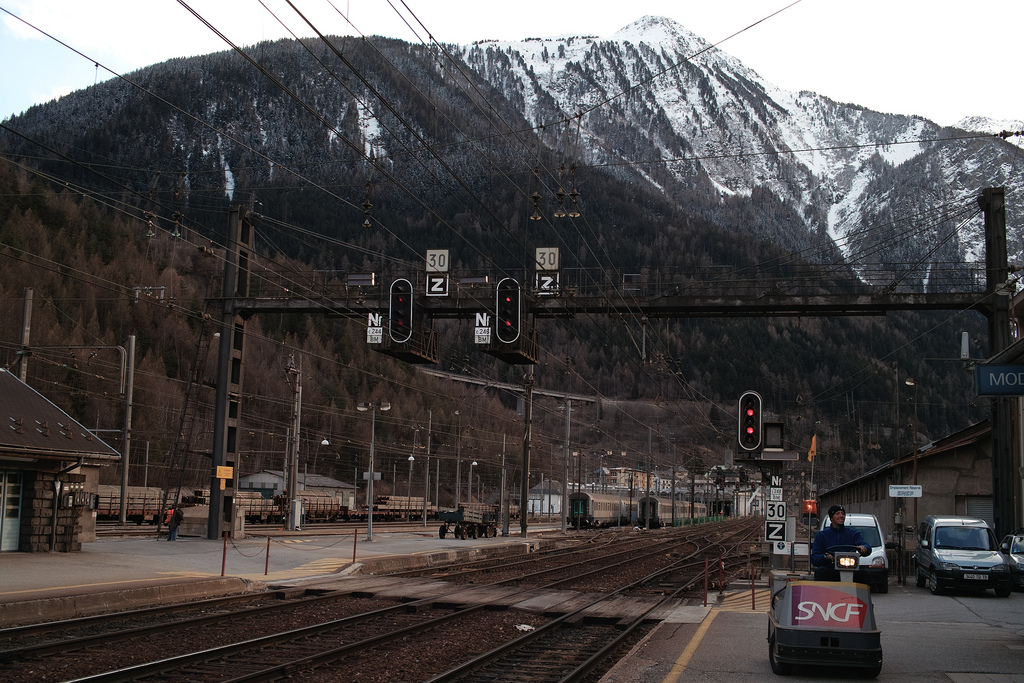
{"type": "Point", "coordinates": [959, 638]}
{"type": "Point", "coordinates": [130, 572]}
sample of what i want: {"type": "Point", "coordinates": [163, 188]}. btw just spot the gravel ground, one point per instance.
{"type": "Point", "coordinates": [415, 658]}
{"type": "Point", "coordinates": [131, 652]}
{"type": "Point", "coordinates": [448, 646]}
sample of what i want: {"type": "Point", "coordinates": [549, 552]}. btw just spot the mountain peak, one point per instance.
{"type": "Point", "coordinates": [655, 30]}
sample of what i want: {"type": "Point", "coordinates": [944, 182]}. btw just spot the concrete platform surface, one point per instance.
{"type": "Point", "coordinates": [962, 637]}
{"type": "Point", "coordinates": [124, 572]}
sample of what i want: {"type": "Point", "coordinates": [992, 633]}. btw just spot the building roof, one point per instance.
{"type": "Point", "coordinates": [965, 437]}
{"type": "Point", "coordinates": [548, 486]}
{"type": "Point", "coordinates": [33, 427]}
{"type": "Point", "coordinates": [307, 480]}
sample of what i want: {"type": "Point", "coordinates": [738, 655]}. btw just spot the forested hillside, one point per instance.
{"type": "Point", "coordinates": [376, 150]}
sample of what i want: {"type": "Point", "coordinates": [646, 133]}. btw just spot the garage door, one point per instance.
{"type": "Point", "coordinates": [981, 507]}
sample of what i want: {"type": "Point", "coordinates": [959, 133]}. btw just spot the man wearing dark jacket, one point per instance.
{"type": "Point", "coordinates": [836, 534]}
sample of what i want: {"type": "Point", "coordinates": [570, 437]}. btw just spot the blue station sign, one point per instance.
{"type": "Point", "coordinates": [999, 380]}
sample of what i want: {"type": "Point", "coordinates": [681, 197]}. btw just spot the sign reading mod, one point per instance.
{"type": "Point", "coordinates": [999, 380]}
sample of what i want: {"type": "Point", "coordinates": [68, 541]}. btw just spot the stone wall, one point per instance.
{"type": "Point", "coordinates": [37, 514]}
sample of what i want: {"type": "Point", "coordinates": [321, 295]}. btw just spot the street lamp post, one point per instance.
{"type": "Point", "coordinates": [408, 496]}
{"type": "Point", "coordinates": [458, 459]}
{"type": "Point", "coordinates": [911, 383]}
{"type": "Point", "coordinates": [469, 487]}
{"type": "Point", "coordinates": [373, 408]}
{"type": "Point", "coordinates": [426, 470]}
{"type": "Point", "coordinates": [316, 453]}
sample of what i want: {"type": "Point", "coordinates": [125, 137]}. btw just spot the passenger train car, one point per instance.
{"type": "Point", "coordinates": [595, 510]}
{"type": "Point", "coordinates": [589, 510]}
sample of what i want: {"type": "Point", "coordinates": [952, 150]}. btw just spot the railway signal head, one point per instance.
{"type": "Point", "coordinates": [750, 421]}
{"type": "Point", "coordinates": [508, 311]}
{"type": "Point", "coordinates": [400, 320]}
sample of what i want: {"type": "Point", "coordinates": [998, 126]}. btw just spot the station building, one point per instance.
{"type": "Point", "coordinates": [955, 475]}
{"type": "Point", "coordinates": [49, 469]}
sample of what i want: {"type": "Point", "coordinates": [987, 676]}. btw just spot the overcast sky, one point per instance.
{"type": "Point", "coordinates": [940, 59]}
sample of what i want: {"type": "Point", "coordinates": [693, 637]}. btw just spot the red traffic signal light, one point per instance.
{"type": "Point", "coordinates": [400, 320]}
{"type": "Point", "coordinates": [749, 436]}
{"type": "Point", "coordinates": [507, 311]}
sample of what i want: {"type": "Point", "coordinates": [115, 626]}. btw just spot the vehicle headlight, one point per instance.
{"type": "Point", "coordinates": [949, 566]}
{"type": "Point", "coordinates": [1020, 566]}
{"type": "Point", "coordinates": [846, 562]}
{"type": "Point", "coordinates": [878, 562]}
{"type": "Point", "coordinates": [1001, 568]}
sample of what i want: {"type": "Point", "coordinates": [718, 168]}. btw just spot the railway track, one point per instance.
{"type": "Point", "coordinates": [339, 644]}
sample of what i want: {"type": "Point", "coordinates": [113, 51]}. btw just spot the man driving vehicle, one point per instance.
{"type": "Point", "coordinates": [836, 534]}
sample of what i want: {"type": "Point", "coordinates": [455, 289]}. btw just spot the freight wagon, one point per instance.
{"type": "Point", "coordinates": [475, 520]}
{"type": "Point", "coordinates": [144, 503]}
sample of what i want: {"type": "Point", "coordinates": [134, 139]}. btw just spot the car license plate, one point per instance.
{"type": "Point", "coordinates": [975, 577]}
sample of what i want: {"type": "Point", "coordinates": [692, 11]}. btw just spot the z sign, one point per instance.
{"type": "Point", "coordinates": [437, 285]}
{"type": "Point", "coordinates": [547, 284]}
{"type": "Point", "coordinates": [775, 531]}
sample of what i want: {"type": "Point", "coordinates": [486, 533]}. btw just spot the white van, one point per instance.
{"type": "Point", "coordinates": [875, 564]}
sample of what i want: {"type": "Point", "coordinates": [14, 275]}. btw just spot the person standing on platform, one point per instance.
{"type": "Point", "coordinates": [174, 517]}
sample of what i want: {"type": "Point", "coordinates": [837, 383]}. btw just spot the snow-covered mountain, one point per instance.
{"type": "Point", "coordinates": [653, 108]}
{"type": "Point", "coordinates": [694, 109]}
{"type": "Point", "coordinates": [982, 124]}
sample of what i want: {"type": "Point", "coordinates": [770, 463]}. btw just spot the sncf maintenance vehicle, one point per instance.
{"type": "Point", "coordinates": [824, 623]}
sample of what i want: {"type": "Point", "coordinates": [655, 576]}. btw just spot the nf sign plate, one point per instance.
{"type": "Point", "coordinates": [775, 531]}
{"type": "Point", "coordinates": [775, 511]}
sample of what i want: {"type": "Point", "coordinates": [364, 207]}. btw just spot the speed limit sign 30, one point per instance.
{"type": "Point", "coordinates": [775, 511]}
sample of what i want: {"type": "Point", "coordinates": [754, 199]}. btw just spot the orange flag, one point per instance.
{"type": "Point", "coordinates": [814, 448]}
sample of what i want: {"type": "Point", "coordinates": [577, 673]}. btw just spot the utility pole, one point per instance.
{"type": "Point", "coordinates": [293, 375]}
{"type": "Point", "coordinates": [524, 488]}
{"type": "Point", "coordinates": [993, 203]}
{"type": "Point", "coordinates": [128, 402]}
{"type": "Point", "coordinates": [647, 515]}
{"type": "Point", "coordinates": [458, 459]}
{"type": "Point", "coordinates": [565, 463]}
{"type": "Point", "coordinates": [26, 333]}
{"type": "Point", "coordinates": [504, 491]}
{"type": "Point", "coordinates": [426, 470]}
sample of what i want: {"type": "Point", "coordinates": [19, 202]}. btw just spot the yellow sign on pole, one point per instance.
{"type": "Point", "coordinates": [224, 472]}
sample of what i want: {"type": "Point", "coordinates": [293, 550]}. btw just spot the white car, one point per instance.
{"type": "Point", "coordinates": [876, 563]}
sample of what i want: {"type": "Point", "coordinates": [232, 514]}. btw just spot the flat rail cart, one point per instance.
{"type": "Point", "coordinates": [474, 520]}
